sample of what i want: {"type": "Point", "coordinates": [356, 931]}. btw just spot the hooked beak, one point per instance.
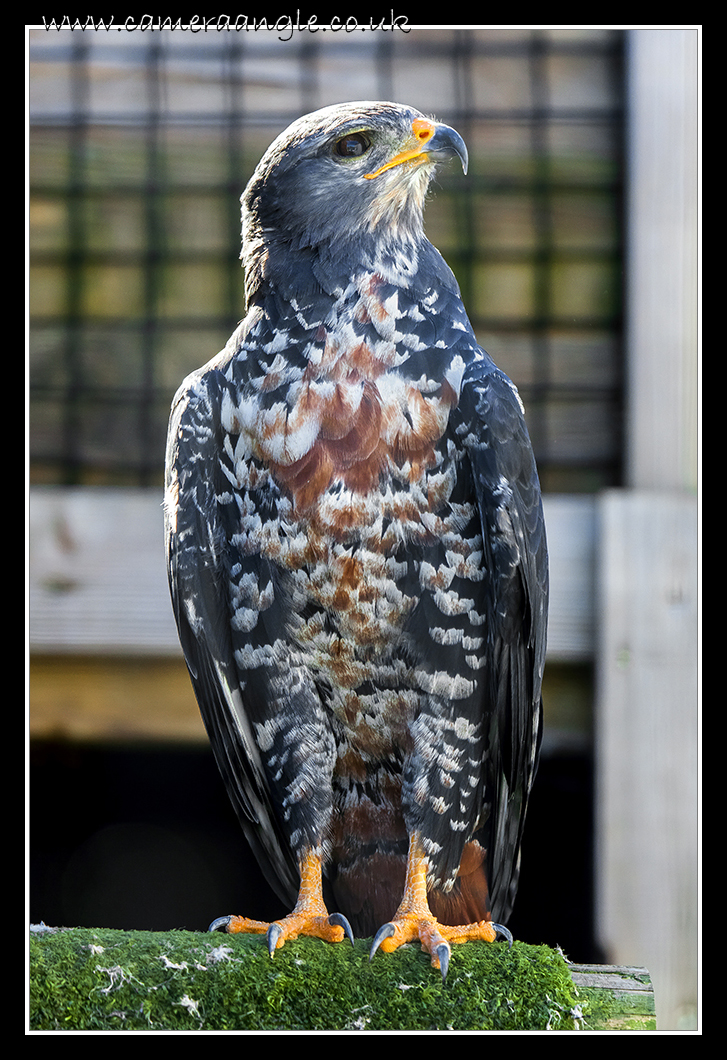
{"type": "Point", "coordinates": [429, 142]}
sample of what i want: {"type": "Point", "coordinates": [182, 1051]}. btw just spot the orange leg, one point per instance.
{"type": "Point", "coordinates": [414, 920]}
{"type": "Point", "coordinates": [309, 917]}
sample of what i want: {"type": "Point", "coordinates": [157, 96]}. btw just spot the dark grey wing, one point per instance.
{"type": "Point", "coordinates": [507, 489]}
{"type": "Point", "coordinates": [199, 507]}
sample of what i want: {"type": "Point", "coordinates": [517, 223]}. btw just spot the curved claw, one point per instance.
{"type": "Point", "coordinates": [443, 953]}
{"type": "Point", "coordinates": [220, 923]}
{"type": "Point", "coordinates": [272, 935]}
{"type": "Point", "coordinates": [384, 932]}
{"type": "Point", "coordinates": [500, 930]}
{"type": "Point", "coordinates": [339, 920]}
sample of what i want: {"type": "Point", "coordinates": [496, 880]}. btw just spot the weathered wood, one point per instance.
{"type": "Point", "coordinates": [113, 698]}
{"type": "Point", "coordinates": [98, 581]}
{"type": "Point", "coordinates": [618, 997]}
{"type": "Point", "coordinates": [647, 740]}
{"type": "Point", "coordinates": [571, 526]}
{"type": "Point", "coordinates": [662, 259]}
{"type": "Point", "coordinates": [97, 573]}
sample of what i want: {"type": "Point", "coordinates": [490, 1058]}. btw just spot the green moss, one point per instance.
{"type": "Point", "coordinates": [99, 979]}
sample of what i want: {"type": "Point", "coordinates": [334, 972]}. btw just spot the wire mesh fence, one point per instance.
{"type": "Point", "coordinates": [140, 144]}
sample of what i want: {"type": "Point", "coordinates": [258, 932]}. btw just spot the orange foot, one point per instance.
{"type": "Point", "coordinates": [414, 920]}
{"type": "Point", "coordinates": [309, 917]}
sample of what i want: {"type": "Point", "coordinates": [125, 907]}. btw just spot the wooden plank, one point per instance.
{"type": "Point", "coordinates": [615, 997]}
{"type": "Point", "coordinates": [96, 698]}
{"type": "Point", "coordinates": [97, 573]}
{"type": "Point", "coordinates": [662, 262]}
{"type": "Point", "coordinates": [571, 526]}
{"type": "Point", "coordinates": [97, 578]}
{"type": "Point", "coordinates": [647, 733]}
{"type": "Point", "coordinates": [622, 979]}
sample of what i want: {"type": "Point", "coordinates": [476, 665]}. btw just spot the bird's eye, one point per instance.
{"type": "Point", "coordinates": [352, 146]}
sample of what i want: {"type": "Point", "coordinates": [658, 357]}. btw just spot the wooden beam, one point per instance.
{"type": "Point", "coordinates": [662, 261]}
{"type": "Point", "coordinates": [95, 698]}
{"type": "Point", "coordinates": [97, 573]}
{"type": "Point", "coordinates": [98, 583]}
{"type": "Point", "coordinates": [616, 997]}
{"type": "Point", "coordinates": [647, 742]}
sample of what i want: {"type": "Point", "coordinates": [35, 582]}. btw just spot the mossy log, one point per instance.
{"type": "Point", "coordinates": [103, 979]}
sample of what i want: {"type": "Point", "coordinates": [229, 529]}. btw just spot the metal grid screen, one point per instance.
{"type": "Point", "coordinates": [140, 144]}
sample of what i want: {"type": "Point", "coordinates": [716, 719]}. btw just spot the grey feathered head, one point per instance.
{"type": "Point", "coordinates": [342, 176]}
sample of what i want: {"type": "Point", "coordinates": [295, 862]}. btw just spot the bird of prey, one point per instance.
{"type": "Point", "coordinates": [357, 555]}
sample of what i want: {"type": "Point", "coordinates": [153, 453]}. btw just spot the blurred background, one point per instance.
{"type": "Point", "coordinates": [574, 240]}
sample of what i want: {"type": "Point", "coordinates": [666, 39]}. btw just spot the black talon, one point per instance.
{"type": "Point", "coordinates": [339, 920]}
{"type": "Point", "coordinates": [443, 952]}
{"type": "Point", "coordinates": [272, 935]}
{"type": "Point", "coordinates": [500, 930]}
{"type": "Point", "coordinates": [384, 932]}
{"type": "Point", "coordinates": [219, 923]}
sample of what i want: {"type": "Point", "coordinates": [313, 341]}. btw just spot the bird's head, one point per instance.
{"type": "Point", "coordinates": [342, 179]}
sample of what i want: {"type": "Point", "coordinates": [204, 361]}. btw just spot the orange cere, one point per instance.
{"type": "Point", "coordinates": [422, 132]}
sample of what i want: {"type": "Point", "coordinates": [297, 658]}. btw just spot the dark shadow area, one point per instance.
{"type": "Point", "coordinates": [146, 839]}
